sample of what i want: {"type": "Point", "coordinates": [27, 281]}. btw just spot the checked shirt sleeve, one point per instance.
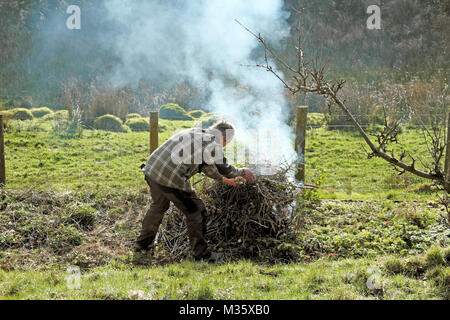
{"type": "Point", "coordinates": [217, 167]}
{"type": "Point", "coordinates": [211, 172]}
{"type": "Point", "coordinates": [227, 170]}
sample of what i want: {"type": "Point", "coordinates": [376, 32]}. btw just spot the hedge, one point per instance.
{"type": "Point", "coordinates": [61, 114]}
{"type": "Point", "coordinates": [21, 114]}
{"type": "Point", "coordinates": [133, 116]}
{"type": "Point", "coordinates": [7, 115]}
{"type": "Point", "coordinates": [138, 124]}
{"type": "Point", "coordinates": [41, 112]}
{"type": "Point", "coordinates": [109, 122]}
{"type": "Point", "coordinates": [172, 111]}
{"type": "Point", "coordinates": [197, 113]}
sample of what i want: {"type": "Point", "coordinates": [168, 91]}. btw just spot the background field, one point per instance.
{"type": "Point", "coordinates": [37, 156]}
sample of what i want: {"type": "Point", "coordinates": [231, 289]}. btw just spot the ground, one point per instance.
{"type": "Point", "coordinates": [78, 201]}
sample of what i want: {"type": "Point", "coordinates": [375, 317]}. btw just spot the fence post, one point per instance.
{"type": "Point", "coordinates": [153, 131]}
{"type": "Point", "coordinates": [300, 138]}
{"type": "Point", "coordinates": [2, 154]}
{"type": "Point", "coordinates": [447, 154]}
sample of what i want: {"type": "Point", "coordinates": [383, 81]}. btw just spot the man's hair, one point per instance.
{"type": "Point", "coordinates": [225, 128]}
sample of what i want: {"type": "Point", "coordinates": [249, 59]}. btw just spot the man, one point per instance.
{"type": "Point", "coordinates": [167, 172]}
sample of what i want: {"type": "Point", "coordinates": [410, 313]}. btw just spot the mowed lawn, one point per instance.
{"type": "Point", "coordinates": [38, 157]}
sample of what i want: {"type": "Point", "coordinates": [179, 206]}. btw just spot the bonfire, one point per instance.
{"type": "Point", "coordinates": [251, 221]}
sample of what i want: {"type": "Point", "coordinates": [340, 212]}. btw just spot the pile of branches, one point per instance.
{"type": "Point", "coordinates": [251, 221]}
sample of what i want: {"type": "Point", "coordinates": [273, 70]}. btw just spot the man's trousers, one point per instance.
{"type": "Point", "coordinates": [191, 206]}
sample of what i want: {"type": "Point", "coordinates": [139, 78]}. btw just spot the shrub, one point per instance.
{"type": "Point", "coordinates": [415, 266]}
{"type": "Point", "coordinates": [62, 114]}
{"type": "Point", "coordinates": [161, 127]}
{"type": "Point", "coordinates": [133, 116]}
{"type": "Point", "coordinates": [84, 216]}
{"type": "Point", "coordinates": [109, 122]}
{"type": "Point", "coordinates": [436, 274]}
{"type": "Point", "coordinates": [315, 119]}
{"type": "Point", "coordinates": [138, 124]}
{"type": "Point", "coordinates": [197, 113]}
{"type": "Point", "coordinates": [377, 115]}
{"type": "Point", "coordinates": [393, 266]}
{"type": "Point", "coordinates": [58, 108]}
{"type": "Point", "coordinates": [66, 235]}
{"type": "Point", "coordinates": [7, 115]}
{"type": "Point", "coordinates": [447, 255]}
{"type": "Point", "coordinates": [446, 276]}
{"type": "Point", "coordinates": [21, 114]}
{"type": "Point", "coordinates": [40, 112]}
{"type": "Point", "coordinates": [434, 257]}
{"type": "Point", "coordinates": [172, 111]}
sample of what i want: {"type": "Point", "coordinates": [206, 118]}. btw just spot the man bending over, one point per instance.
{"type": "Point", "coordinates": [167, 172]}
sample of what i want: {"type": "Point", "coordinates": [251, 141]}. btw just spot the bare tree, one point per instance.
{"type": "Point", "coordinates": [309, 77]}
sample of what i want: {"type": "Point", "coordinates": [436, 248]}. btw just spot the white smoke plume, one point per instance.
{"type": "Point", "coordinates": [200, 41]}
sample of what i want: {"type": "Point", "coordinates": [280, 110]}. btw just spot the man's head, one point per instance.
{"type": "Point", "coordinates": [226, 130]}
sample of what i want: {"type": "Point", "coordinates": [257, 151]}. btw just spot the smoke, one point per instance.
{"type": "Point", "coordinates": [201, 42]}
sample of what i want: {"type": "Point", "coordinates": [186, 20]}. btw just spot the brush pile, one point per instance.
{"type": "Point", "coordinates": [251, 221]}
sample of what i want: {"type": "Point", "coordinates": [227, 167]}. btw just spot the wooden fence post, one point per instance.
{"type": "Point", "coordinates": [2, 154]}
{"type": "Point", "coordinates": [300, 138]}
{"type": "Point", "coordinates": [153, 131]}
{"type": "Point", "coordinates": [447, 153]}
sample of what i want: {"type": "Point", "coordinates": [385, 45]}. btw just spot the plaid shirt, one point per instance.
{"type": "Point", "coordinates": [161, 168]}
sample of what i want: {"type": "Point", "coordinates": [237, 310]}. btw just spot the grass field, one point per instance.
{"type": "Point", "coordinates": [39, 157]}
{"type": "Point", "coordinates": [375, 248]}
{"type": "Point", "coordinates": [323, 279]}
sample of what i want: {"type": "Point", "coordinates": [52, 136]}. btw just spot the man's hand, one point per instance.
{"type": "Point", "coordinates": [248, 175]}
{"type": "Point", "coordinates": [231, 182]}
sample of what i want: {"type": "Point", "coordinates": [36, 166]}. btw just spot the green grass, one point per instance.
{"type": "Point", "coordinates": [370, 229]}
{"type": "Point", "coordinates": [37, 156]}
{"type": "Point", "coordinates": [342, 246]}
{"type": "Point", "coordinates": [324, 279]}
{"type": "Point", "coordinates": [349, 174]}
{"type": "Point", "coordinates": [97, 197]}
{"type": "Point", "coordinates": [93, 228]}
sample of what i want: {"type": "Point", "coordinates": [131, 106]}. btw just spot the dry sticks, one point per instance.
{"type": "Point", "coordinates": [249, 221]}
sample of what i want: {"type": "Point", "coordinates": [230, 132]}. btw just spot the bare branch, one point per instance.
{"type": "Point", "coordinates": [309, 77]}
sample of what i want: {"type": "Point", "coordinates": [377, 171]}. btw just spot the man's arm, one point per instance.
{"type": "Point", "coordinates": [213, 156]}
{"type": "Point", "coordinates": [212, 172]}
{"type": "Point", "coordinates": [225, 169]}
{"type": "Point", "coordinates": [226, 173]}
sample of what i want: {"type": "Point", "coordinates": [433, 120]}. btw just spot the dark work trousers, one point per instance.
{"type": "Point", "coordinates": [191, 206]}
